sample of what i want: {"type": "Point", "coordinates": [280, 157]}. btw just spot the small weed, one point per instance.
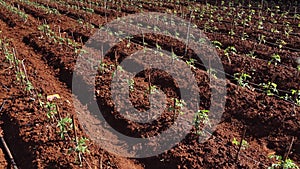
{"type": "Point", "coordinates": [296, 95]}
{"type": "Point", "coordinates": [20, 75]}
{"type": "Point", "coordinates": [241, 78]}
{"type": "Point", "coordinates": [230, 50]}
{"type": "Point", "coordinates": [64, 126]}
{"type": "Point", "coordinates": [119, 68]}
{"type": "Point", "coordinates": [51, 109]}
{"type": "Point", "coordinates": [270, 88]}
{"type": "Point", "coordinates": [201, 117]}
{"type": "Point", "coordinates": [29, 86]}
{"type": "Point", "coordinates": [275, 58]}
{"type": "Point", "coordinates": [282, 164]}
{"type": "Point", "coordinates": [153, 89]}
{"type": "Point", "coordinates": [82, 147]}
{"type": "Point", "coordinates": [130, 83]}
{"type": "Point", "coordinates": [245, 144]}
{"type": "Point", "coordinates": [174, 56]}
{"type": "Point", "coordinates": [178, 105]}
{"type": "Point", "coordinates": [212, 72]}
{"type": "Point", "coordinates": [191, 63]}
{"type": "Point", "coordinates": [102, 67]}
{"type": "Point", "coordinates": [217, 44]}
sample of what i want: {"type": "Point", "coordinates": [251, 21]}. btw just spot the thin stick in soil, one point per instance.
{"type": "Point", "coordinates": [76, 140]}
{"type": "Point", "coordinates": [13, 163]}
{"type": "Point", "coordinates": [100, 161]}
{"type": "Point", "coordinates": [149, 81]}
{"type": "Point", "coordinates": [240, 146]}
{"type": "Point", "coordinates": [2, 105]}
{"type": "Point", "coordinates": [289, 149]}
{"type": "Point", "coordinates": [188, 35]}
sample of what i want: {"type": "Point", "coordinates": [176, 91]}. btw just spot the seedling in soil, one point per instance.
{"type": "Point", "coordinates": [45, 28]}
{"type": "Point", "coordinates": [275, 58]}
{"type": "Point", "coordinates": [241, 78]}
{"type": "Point", "coordinates": [64, 125]}
{"type": "Point", "coordinates": [29, 86]}
{"type": "Point", "coordinates": [60, 40]}
{"type": "Point", "coordinates": [201, 117]}
{"type": "Point", "coordinates": [14, 10]}
{"type": "Point", "coordinates": [178, 105]}
{"type": "Point", "coordinates": [82, 147]}
{"type": "Point", "coordinates": [119, 68]}
{"type": "Point", "coordinates": [270, 88]}
{"type": "Point", "coordinates": [90, 10]}
{"type": "Point", "coordinates": [231, 33]}
{"type": "Point", "coordinates": [212, 72]}
{"type": "Point", "coordinates": [296, 95]}
{"type": "Point", "coordinates": [79, 51]}
{"type": "Point", "coordinates": [129, 37]}
{"type": "Point", "coordinates": [152, 89]}
{"type": "Point", "coordinates": [228, 50]}
{"type": "Point", "coordinates": [245, 36]}
{"type": "Point", "coordinates": [191, 63]}
{"type": "Point", "coordinates": [286, 97]}
{"type": "Point", "coordinates": [274, 30]}
{"type": "Point", "coordinates": [8, 55]}
{"type": "Point", "coordinates": [280, 43]}
{"type": "Point", "coordinates": [42, 7]}
{"type": "Point", "coordinates": [174, 56]}
{"type": "Point", "coordinates": [282, 164]}
{"type": "Point", "coordinates": [130, 83]}
{"type": "Point", "coordinates": [260, 24]}
{"type": "Point", "coordinates": [202, 41]}
{"type": "Point", "coordinates": [51, 109]}
{"type": "Point", "coordinates": [261, 39]}
{"type": "Point", "coordinates": [20, 76]}
{"type": "Point", "coordinates": [41, 103]}
{"type": "Point", "coordinates": [80, 21]}
{"type": "Point", "coordinates": [245, 144]}
{"type": "Point", "coordinates": [251, 54]}
{"type": "Point", "coordinates": [102, 66]}
{"type": "Point", "coordinates": [217, 44]}
{"type": "Point", "coordinates": [158, 48]}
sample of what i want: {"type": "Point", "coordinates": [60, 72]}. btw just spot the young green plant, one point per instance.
{"type": "Point", "coordinates": [245, 144]}
{"type": "Point", "coordinates": [201, 117]}
{"type": "Point", "coordinates": [241, 79]}
{"type": "Point", "coordinates": [64, 126]}
{"type": "Point", "coordinates": [275, 58]}
{"type": "Point", "coordinates": [282, 164]}
{"type": "Point", "coordinates": [270, 88]}
{"type": "Point", "coordinates": [177, 106]}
